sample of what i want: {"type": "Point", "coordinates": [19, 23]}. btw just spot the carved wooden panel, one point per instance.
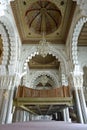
{"type": "Point", "coordinates": [57, 92]}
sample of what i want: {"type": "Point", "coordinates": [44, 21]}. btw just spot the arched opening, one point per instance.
{"type": "Point", "coordinates": [43, 81]}
{"type": "Point", "coordinates": [39, 65]}
{"type": "Point", "coordinates": [82, 52]}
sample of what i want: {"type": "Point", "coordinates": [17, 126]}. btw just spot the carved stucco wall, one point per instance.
{"type": "Point", "coordinates": [82, 58]}
{"type": "Point", "coordinates": [8, 41]}
{"type": "Point", "coordinates": [76, 33]}
{"type": "Point", "coordinates": [59, 53]}
{"type": "Point", "coordinates": [11, 43]}
{"type": "Point", "coordinates": [11, 48]}
{"type": "Point", "coordinates": [34, 74]}
{"type": "Point", "coordinates": [79, 18]}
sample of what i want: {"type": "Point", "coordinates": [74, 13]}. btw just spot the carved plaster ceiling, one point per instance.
{"type": "Point", "coordinates": [33, 17]}
{"type": "Point", "coordinates": [43, 16]}
{"type": "Point", "coordinates": [82, 40]}
{"type": "Point", "coordinates": [48, 62]}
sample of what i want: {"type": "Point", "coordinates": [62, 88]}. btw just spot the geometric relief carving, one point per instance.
{"type": "Point", "coordinates": [8, 41]}
{"type": "Point", "coordinates": [53, 77]}
{"type": "Point", "coordinates": [51, 50]}
{"type": "Point", "coordinates": [76, 33]}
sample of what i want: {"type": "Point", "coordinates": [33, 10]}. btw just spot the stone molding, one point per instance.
{"type": "Point", "coordinates": [4, 36]}
{"type": "Point", "coordinates": [7, 82]}
{"type": "Point", "coordinates": [54, 77]}
{"type": "Point", "coordinates": [75, 36]}
{"type": "Point", "coordinates": [30, 52]}
{"type": "Point", "coordinates": [9, 42]}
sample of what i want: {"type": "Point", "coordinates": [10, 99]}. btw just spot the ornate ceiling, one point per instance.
{"type": "Point", "coordinates": [43, 16]}
{"type": "Point", "coordinates": [33, 17]}
{"type": "Point", "coordinates": [48, 62]}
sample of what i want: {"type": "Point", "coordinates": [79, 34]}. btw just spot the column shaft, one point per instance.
{"type": "Point", "coordinates": [83, 105]}
{"type": "Point", "coordinates": [9, 110]}
{"type": "Point", "coordinates": [4, 107]}
{"type": "Point", "coordinates": [78, 106]}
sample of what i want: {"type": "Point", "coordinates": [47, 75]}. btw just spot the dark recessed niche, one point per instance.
{"type": "Point", "coordinates": [57, 33]}
{"type": "Point", "coordinates": [0, 52]}
{"type": "Point", "coordinates": [29, 33]}
{"type": "Point", "coordinates": [24, 2]}
{"type": "Point", "coordinates": [62, 3]}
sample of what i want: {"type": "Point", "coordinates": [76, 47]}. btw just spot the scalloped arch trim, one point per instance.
{"type": "Point", "coordinates": [76, 33]}
{"type": "Point", "coordinates": [37, 74]}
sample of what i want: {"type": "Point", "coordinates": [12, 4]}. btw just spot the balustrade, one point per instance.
{"type": "Point", "coordinates": [62, 91]}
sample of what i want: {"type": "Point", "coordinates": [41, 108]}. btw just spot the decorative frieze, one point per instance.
{"type": "Point", "coordinates": [29, 53]}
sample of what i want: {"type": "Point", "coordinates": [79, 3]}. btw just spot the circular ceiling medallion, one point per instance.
{"type": "Point", "coordinates": [43, 16]}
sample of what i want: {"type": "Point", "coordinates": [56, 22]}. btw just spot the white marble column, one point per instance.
{"type": "Point", "coordinates": [17, 115]}
{"type": "Point", "coordinates": [4, 107]}
{"type": "Point", "coordinates": [24, 115]}
{"type": "Point", "coordinates": [21, 117]}
{"type": "Point", "coordinates": [83, 105]}
{"type": "Point", "coordinates": [67, 115]}
{"type": "Point", "coordinates": [5, 83]}
{"type": "Point", "coordinates": [1, 97]}
{"type": "Point", "coordinates": [64, 115]}
{"type": "Point", "coordinates": [30, 117]}
{"type": "Point", "coordinates": [9, 110]}
{"type": "Point", "coordinates": [77, 77]}
{"type": "Point", "coordinates": [66, 110]}
{"type": "Point", "coordinates": [79, 111]}
{"type": "Point", "coordinates": [27, 116]}
{"type": "Point", "coordinates": [9, 81]}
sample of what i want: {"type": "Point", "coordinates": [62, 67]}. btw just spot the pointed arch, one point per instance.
{"type": "Point", "coordinates": [75, 37]}
{"type": "Point", "coordinates": [40, 73]}
{"type": "Point", "coordinates": [51, 50]}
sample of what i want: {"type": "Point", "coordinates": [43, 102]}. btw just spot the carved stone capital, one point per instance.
{"type": "Point", "coordinates": [77, 77]}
